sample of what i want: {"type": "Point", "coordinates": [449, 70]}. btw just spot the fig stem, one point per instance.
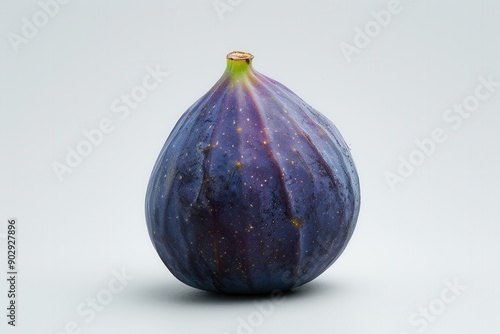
{"type": "Point", "coordinates": [240, 55]}
{"type": "Point", "coordinates": [238, 63]}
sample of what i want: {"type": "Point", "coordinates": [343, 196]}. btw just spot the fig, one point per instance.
{"type": "Point", "coordinates": [254, 190]}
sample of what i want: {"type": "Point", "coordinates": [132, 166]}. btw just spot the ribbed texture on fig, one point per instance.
{"type": "Point", "coordinates": [254, 190]}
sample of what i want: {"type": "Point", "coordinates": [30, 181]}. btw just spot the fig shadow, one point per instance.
{"type": "Point", "coordinates": [178, 294]}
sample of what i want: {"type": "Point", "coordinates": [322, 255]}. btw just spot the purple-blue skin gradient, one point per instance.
{"type": "Point", "coordinates": [253, 191]}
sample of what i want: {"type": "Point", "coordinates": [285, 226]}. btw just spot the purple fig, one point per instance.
{"type": "Point", "coordinates": [254, 190]}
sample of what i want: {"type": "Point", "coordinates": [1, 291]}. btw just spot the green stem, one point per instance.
{"type": "Point", "coordinates": [239, 63]}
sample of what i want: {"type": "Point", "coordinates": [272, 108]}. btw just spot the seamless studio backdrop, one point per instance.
{"type": "Point", "coordinates": [90, 90]}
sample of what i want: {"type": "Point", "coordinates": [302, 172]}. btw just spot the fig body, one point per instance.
{"type": "Point", "coordinates": [254, 190]}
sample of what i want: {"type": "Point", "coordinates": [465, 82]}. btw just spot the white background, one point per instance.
{"type": "Point", "coordinates": [440, 224]}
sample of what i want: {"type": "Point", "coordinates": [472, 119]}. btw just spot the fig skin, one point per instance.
{"type": "Point", "coordinates": [254, 190]}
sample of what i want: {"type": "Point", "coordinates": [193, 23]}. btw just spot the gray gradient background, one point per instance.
{"type": "Point", "coordinates": [441, 223]}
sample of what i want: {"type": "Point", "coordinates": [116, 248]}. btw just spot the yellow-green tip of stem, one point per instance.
{"type": "Point", "coordinates": [239, 62]}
